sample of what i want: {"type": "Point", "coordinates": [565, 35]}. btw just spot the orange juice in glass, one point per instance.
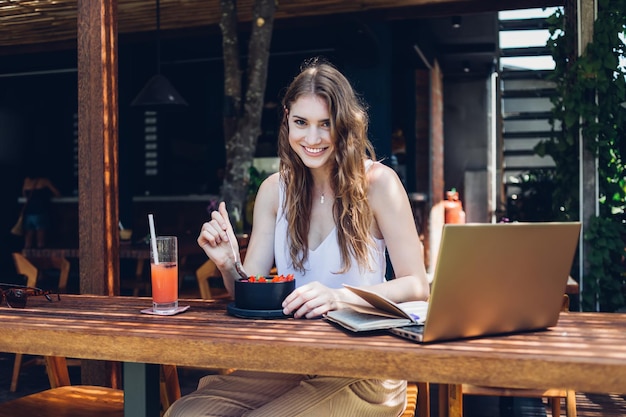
{"type": "Point", "coordinates": [164, 274]}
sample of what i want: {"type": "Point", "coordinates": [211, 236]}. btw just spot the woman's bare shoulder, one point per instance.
{"type": "Point", "coordinates": [270, 183]}
{"type": "Point", "coordinates": [384, 185]}
{"type": "Point", "coordinates": [268, 191]}
{"type": "Point", "coordinates": [273, 178]}
{"type": "Point", "coordinates": [380, 175]}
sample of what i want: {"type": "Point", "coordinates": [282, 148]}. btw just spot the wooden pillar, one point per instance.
{"type": "Point", "coordinates": [98, 162]}
{"type": "Point", "coordinates": [98, 147]}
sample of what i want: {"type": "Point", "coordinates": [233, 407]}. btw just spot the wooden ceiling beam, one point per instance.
{"type": "Point", "coordinates": [24, 23]}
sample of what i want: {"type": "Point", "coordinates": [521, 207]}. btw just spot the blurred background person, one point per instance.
{"type": "Point", "coordinates": [38, 191]}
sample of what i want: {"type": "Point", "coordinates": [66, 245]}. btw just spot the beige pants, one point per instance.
{"type": "Point", "coordinates": [253, 394]}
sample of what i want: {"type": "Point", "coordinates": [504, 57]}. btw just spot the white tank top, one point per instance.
{"type": "Point", "coordinates": [324, 262]}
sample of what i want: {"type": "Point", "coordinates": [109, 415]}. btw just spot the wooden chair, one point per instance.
{"type": "Point", "coordinates": [33, 275]}
{"type": "Point", "coordinates": [64, 399]}
{"type": "Point", "coordinates": [25, 267]}
{"type": "Point", "coordinates": [209, 270]}
{"type": "Point", "coordinates": [204, 273]}
{"type": "Point", "coordinates": [553, 395]}
{"type": "Point", "coordinates": [451, 396]}
{"type": "Point", "coordinates": [411, 400]}
{"type": "Point", "coordinates": [169, 386]}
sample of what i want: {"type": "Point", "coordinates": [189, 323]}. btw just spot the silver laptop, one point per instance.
{"type": "Point", "coordinates": [497, 278]}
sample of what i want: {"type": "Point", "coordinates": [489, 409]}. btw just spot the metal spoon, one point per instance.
{"type": "Point", "coordinates": [238, 265]}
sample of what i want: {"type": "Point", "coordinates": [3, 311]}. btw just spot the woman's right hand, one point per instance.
{"type": "Point", "coordinates": [215, 239]}
{"type": "Point", "coordinates": [313, 300]}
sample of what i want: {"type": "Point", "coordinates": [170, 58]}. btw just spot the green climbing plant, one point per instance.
{"type": "Point", "coordinates": [605, 264]}
{"type": "Point", "coordinates": [590, 102]}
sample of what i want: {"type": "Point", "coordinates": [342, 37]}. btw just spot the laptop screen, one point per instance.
{"type": "Point", "coordinates": [499, 278]}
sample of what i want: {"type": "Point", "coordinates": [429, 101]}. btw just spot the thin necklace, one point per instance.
{"type": "Point", "coordinates": [322, 199]}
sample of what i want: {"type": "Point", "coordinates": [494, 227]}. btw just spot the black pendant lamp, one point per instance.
{"type": "Point", "coordinates": [158, 91]}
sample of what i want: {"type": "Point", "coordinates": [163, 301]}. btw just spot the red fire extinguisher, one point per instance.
{"type": "Point", "coordinates": [453, 208]}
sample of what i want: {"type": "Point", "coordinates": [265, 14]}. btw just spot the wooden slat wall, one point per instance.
{"type": "Point", "coordinates": [27, 22]}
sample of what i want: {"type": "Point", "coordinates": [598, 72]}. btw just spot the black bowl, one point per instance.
{"type": "Point", "coordinates": [262, 295]}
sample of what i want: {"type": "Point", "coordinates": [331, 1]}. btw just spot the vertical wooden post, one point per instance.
{"type": "Point", "coordinates": [98, 159]}
{"type": "Point", "coordinates": [451, 400]}
{"type": "Point", "coordinates": [98, 147]}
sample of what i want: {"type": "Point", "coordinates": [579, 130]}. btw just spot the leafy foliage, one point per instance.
{"type": "Point", "coordinates": [533, 202]}
{"type": "Point", "coordinates": [256, 178]}
{"type": "Point", "coordinates": [604, 280]}
{"type": "Point", "coordinates": [590, 103]}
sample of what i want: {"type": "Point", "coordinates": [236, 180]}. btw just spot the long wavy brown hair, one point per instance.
{"type": "Point", "coordinates": [348, 128]}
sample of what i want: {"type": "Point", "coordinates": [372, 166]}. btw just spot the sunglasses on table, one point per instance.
{"type": "Point", "coordinates": [15, 296]}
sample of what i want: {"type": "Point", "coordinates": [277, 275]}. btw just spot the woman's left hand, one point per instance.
{"type": "Point", "coordinates": [311, 301]}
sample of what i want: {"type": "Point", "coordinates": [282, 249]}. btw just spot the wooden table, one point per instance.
{"type": "Point", "coordinates": [585, 351]}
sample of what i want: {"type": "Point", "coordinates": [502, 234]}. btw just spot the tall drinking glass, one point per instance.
{"type": "Point", "coordinates": [164, 275]}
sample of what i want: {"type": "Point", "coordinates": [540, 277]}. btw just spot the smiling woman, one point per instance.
{"type": "Point", "coordinates": [326, 218]}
